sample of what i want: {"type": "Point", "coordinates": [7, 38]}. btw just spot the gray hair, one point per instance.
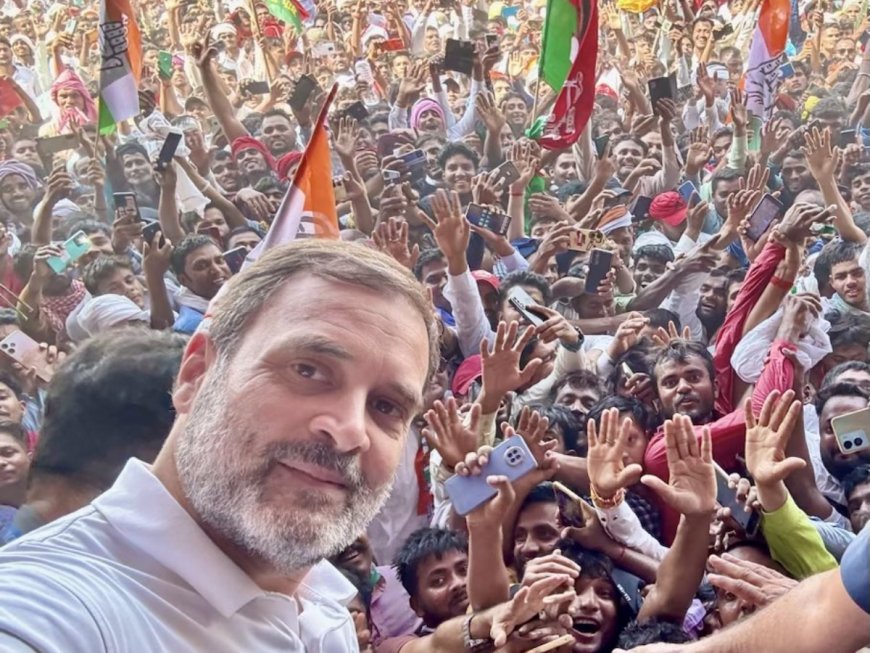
{"type": "Point", "coordinates": [327, 259]}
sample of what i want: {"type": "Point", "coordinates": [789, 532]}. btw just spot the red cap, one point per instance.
{"type": "Point", "coordinates": [468, 371]}
{"type": "Point", "coordinates": [482, 276]}
{"type": "Point", "coordinates": [669, 208]}
{"type": "Point", "coordinates": [606, 89]}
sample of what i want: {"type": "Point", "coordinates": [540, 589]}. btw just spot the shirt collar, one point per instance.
{"type": "Point", "coordinates": [143, 512]}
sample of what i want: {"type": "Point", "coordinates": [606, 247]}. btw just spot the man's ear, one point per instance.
{"type": "Point", "coordinates": [415, 606]}
{"type": "Point", "coordinates": [197, 358]}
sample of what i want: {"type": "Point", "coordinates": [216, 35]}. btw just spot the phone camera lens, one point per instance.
{"type": "Point", "coordinates": [859, 441]}
{"type": "Point", "coordinates": [847, 444]}
{"type": "Point", "coordinates": [513, 456]}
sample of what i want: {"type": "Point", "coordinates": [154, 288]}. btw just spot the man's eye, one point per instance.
{"type": "Point", "coordinates": [388, 408]}
{"type": "Point", "coordinates": [306, 371]}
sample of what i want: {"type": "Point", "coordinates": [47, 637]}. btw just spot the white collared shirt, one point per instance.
{"type": "Point", "coordinates": [133, 572]}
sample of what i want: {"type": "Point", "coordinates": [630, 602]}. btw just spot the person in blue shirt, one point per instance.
{"type": "Point", "coordinates": [201, 269]}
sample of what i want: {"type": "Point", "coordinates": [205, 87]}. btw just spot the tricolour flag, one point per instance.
{"type": "Point", "coordinates": [308, 208]}
{"type": "Point", "coordinates": [765, 53]}
{"type": "Point", "coordinates": [121, 63]}
{"type": "Point", "coordinates": [569, 55]}
{"type": "Point", "coordinates": [290, 11]}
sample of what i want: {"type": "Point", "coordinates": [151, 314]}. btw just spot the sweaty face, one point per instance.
{"type": "Point", "coordinates": [564, 169]}
{"type": "Point", "coordinates": [299, 473]}
{"type": "Point", "coordinates": [430, 121]}
{"type": "Point", "coordinates": [536, 533]}
{"type": "Point", "coordinates": [227, 175]}
{"type": "Point", "coordinates": [69, 99]}
{"type": "Point", "coordinates": [516, 112]}
{"type": "Point", "coordinates": [441, 588]}
{"type": "Point", "coordinates": [848, 281]}
{"type": "Point", "coordinates": [837, 462]}
{"type": "Point", "coordinates": [723, 191]}
{"type": "Point", "coordinates": [685, 387]}
{"type": "Point", "coordinates": [205, 271]}
{"type": "Point", "coordinates": [595, 615]}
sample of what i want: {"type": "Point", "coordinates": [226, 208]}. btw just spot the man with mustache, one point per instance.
{"type": "Point", "coordinates": [285, 445]}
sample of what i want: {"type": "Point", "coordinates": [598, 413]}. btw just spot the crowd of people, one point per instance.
{"type": "Point", "coordinates": [200, 455]}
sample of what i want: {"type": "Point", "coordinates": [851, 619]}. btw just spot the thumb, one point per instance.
{"type": "Point", "coordinates": [498, 634]}
{"type": "Point", "coordinates": [529, 370]}
{"type": "Point", "coordinates": [788, 466]}
{"type": "Point", "coordinates": [572, 533]}
{"type": "Point", "coordinates": [630, 475]}
{"type": "Point", "coordinates": [657, 485]}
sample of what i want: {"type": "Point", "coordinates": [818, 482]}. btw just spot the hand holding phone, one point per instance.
{"type": "Point", "coordinates": [524, 305]}
{"type": "Point", "coordinates": [459, 56]}
{"type": "Point", "coordinates": [488, 218]}
{"type": "Point", "coordinates": [768, 210]}
{"type": "Point", "coordinates": [852, 431]}
{"type": "Point", "coordinates": [600, 261]}
{"type": "Point", "coordinates": [73, 249]}
{"type": "Point", "coordinates": [25, 351]}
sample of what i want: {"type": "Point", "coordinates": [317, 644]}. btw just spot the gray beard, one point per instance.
{"type": "Point", "coordinates": [223, 470]}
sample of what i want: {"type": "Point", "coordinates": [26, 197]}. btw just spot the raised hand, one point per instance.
{"type": "Point", "coordinates": [391, 237]}
{"type": "Point", "coordinates": [501, 365]}
{"type": "Point", "coordinates": [799, 219]}
{"type": "Point", "coordinates": [526, 604]}
{"type": "Point", "coordinates": [492, 512]}
{"type": "Point", "coordinates": [553, 564]}
{"type": "Point", "coordinates": [767, 437]}
{"type": "Point", "coordinates": [705, 84]}
{"type": "Point", "coordinates": [532, 428]}
{"type": "Point", "coordinates": [489, 113]}
{"type": "Point", "coordinates": [662, 337]}
{"type": "Point", "coordinates": [739, 113]}
{"type": "Point", "coordinates": [605, 460]}
{"type": "Point", "coordinates": [346, 140]}
{"type": "Point", "coordinates": [819, 153]}
{"type": "Point", "coordinates": [691, 489]}
{"type": "Point", "coordinates": [486, 188]}
{"type": "Point", "coordinates": [451, 229]}
{"type": "Point", "coordinates": [753, 583]}
{"type": "Point", "coordinates": [448, 435]}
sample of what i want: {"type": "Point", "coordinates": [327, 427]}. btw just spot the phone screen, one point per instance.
{"type": "Point", "coordinates": [305, 86]}
{"type": "Point", "coordinates": [601, 145]}
{"type": "Point", "coordinates": [173, 138]}
{"type": "Point", "coordinates": [762, 217]}
{"type": "Point", "coordinates": [599, 266]}
{"type": "Point", "coordinates": [459, 56]}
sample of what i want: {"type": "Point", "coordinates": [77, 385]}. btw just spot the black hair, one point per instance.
{"type": "Point", "coordinates": [130, 147]}
{"type": "Point", "coordinates": [567, 421]}
{"type": "Point", "coordinates": [848, 329]}
{"type": "Point", "coordinates": [8, 316]}
{"type": "Point", "coordinates": [569, 189]}
{"type": "Point", "coordinates": [253, 122]}
{"type": "Point", "coordinates": [12, 383]}
{"type": "Point", "coordinates": [841, 389]}
{"type": "Point", "coordinates": [848, 366]}
{"type": "Point", "coordinates": [638, 410]}
{"type": "Point", "coordinates": [109, 400]}
{"type": "Point", "coordinates": [541, 493]}
{"type": "Point", "coordinates": [421, 544]}
{"type": "Point", "coordinates": [858, 476]}
{"type": "Point", "coordinates": [453, 149]}
{"type": "Point", "coordinates": [426, 257]}
{"type": "Point", "coordinates": [578, 379]}
{"type": "Point", "coordinates": [658, 253]}
{"type": "Point", "coordinates": [679, 351]}
{"type": "Point", "coordinates": [652, 631]}
{"type": "Point", "coordinates": [836, 251]}
{"type": "Point", "coordinates": [525, 278]}
{"type": "Point", "coordinates": [100, 269]}
{"type": "Point", "coordinates": [190, 243]}
{"type": "Point", "coordinates": [724, 174]}
{"type": "Point", "coordinates": [89, 226]}
{"type": "Point", "coordinates": [622, 138]}
{"type": "Point", "coordinates": [363, 586]}
{"type": "Point", "coordinates": [660, 317]}
{"type": "Point", "coordinates": [22, 262]}
{"type": "Point", "coordinates": [15, 430]}
{"type": "Point", "coordinates": [829, 106]}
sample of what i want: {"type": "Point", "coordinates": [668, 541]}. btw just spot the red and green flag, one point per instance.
{"type": "Point", "coordinates": [289, 11]}
{"type": "Point", "coordinates": [569, 56]}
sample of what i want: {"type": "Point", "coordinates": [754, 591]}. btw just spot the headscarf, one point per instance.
{"type": "Point", "coordinates": [249, 142]}
{"type": "Point", "coordinates": [70, 81]}
{"type": "Point", "coordinates": [23, 170]}
{"type": "Point", "coordinates": [24, 39]}
{"type": "Point", "coordinates": [107, 311]}
{"type": "Point", "coordinates": [285, 163]}
{"type": "Point", "coordinates": [425, 104]}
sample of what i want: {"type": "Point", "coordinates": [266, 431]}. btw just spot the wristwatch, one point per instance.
{"type": "Point", "coordinates": [575, 347]}
{"type": "Point", "coordinates": [470, 643]}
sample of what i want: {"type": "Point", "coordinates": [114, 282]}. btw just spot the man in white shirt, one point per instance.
{"type": "Point", "coordinates": [285, 445]}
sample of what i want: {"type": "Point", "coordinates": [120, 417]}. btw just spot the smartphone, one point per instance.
{"type": "Point", "coordinates": [721, 32]}
{"type": "Point", "coordinates": [339, 190]}
{"type": "Point", "coordinates": [126, 200]}
{"type": "Point", "coordinates": [257, 88]}
{"type": "Point", "coordinates": [512, 458]}
{"type": "Point", "coordinates": [235, 258]}
{"type": "Point", "coordinates": [302, 91]}
{"type": "Point", "coordinates": [640, 211]}
{"type": "Point", "coordinates": [585, 240]}
{"type": "Point", "coordinates": [164, 64]}
{"type": "Point", "coordinates": [391, 177]}
{"type": "Point", "coordinates": [392, 45]}
{"type": "Point", "coordinates": [487, 218]}
{"type": "Point", "coordinates": [601, 143]}
{"type": "Point", "coordinates": [570, 506]}
{"type": "Point", "coordinates": [71, 26]}
{"type": "Point", "coordinates": [727, 498]}
{"type": "Point", "coordinates": [662, 88]}
{"type": "Point", "coordinates": [852, 431]}
{"type": "Point", "coordinates": [73, 249]}
{"type": "Point", "coordinates": [416, 162]}
{"type": "Point", "coordinates": [508, 172]}
{"type": "Point", "coordinates": [54, 144]}
{"type": "Point", "coordinates": [786, 70]}
{"type": "Point", "coordinates": [847, 137]}
{"type": "Point", "coordinates": [686, 190]}
{"type": "Point", "coordinates": [768, 210]}
{"type": "Point", "coordinates": [626, 371]}
{"type": "Point", "coordinates": [173, 138]}
{"type": "Point", "coordinates": [523, 303]}
{"type": "Point", "coordinates": [599, 266]}
{"type": "Point", "coordinates": [150, 230]}
{"type": "Point", "coordinates": [491, 40]}
{"type": "Point", "coordinates": [459, 56]}
{"type": "Point", "coordinates": [324, 49]}
{"type": "Point", "coordinates": [25, 351]}
{"type": "Point", "coordinates": [213, 232]}
{"type": "Point", "coordinates": [357, 111]}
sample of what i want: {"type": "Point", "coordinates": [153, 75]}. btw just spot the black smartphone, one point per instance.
{"type": "Point", "coordinates": [491, 40]}
{"type": "Point", "coordinates": [257, 88]}
{"type": "Point", "coordinates": [570, 512]}
{"type": "Point", "coordinates": [599, 266]}
{"type": "Point", "coordinates": [235, 258]}
{"type": "Point", "coordinates": [126, 200]}
{"type": "Point", "coordinates": [601, 143]}
{"type": "Point", "coordinates": [847, 137]}
{"type": "Point", "coordinates": [487, 218]}
{"type": "Point", "coordinates": [173, 138]}
{"type": "Point", "coordinates": [523, 303]}
{"type": "Point", "coordinates": [302, 90]}
{"type": "Point", "coordinates": [416, 162]}
{"type": "Point", "coordinates": [459, 56]}
{"type": "Point", "coordinates": [727, 498]}
{"type": "Point", "coordinates": [357, 111]}
{"type": "Point", "coordinates": [768, 210]}
{"type": "Point", "coordinates": [508, 172]}
{"type": "Point", "coordinates": [662, 88]}
{"type": "Point", "coordinates": [721, 32]}
{"type": "Point", "coordinates": [640, 211]}
{"type": "Point", "coordinates": [54, 144]}
{"type": "Point", "coordinates": [150, 230]}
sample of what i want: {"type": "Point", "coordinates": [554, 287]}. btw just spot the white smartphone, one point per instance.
{"type": "Point", "coordinates": [852, 431]}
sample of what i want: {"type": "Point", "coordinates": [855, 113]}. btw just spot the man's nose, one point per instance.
{"type": "Point", "coordinates": [344, 424]}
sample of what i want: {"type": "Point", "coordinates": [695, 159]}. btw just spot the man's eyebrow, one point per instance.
{"type": "Point", "coordinates": [315, 344]}
{"type": "Point", "coordinates": [409, 396]}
